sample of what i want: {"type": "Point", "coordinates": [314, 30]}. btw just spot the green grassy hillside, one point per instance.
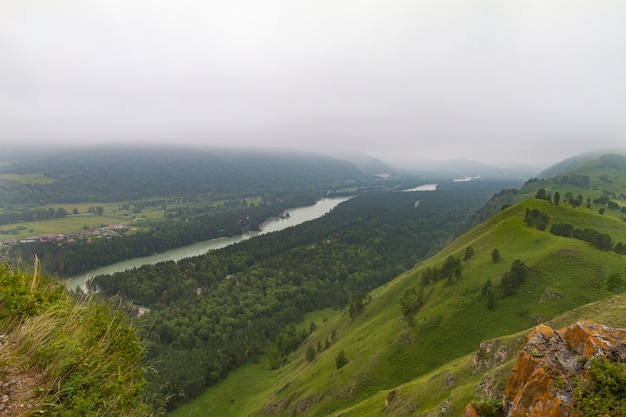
{"type": "Point", "coordinates": [417, 363]}
{"type": "Point", "coordinates": [63, 356]}
{"type": "Point", "coordinates": [605, 175]}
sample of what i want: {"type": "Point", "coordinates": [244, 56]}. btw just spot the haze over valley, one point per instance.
{"type": "Point", "coordinates": [347, 208]}
{"type": "Point", "coordinates": [502, 83]}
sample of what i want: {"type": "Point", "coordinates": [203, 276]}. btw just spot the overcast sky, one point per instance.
{"type": "Point", "coordinates": [493, 80]}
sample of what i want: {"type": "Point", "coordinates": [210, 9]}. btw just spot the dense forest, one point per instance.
{"type": "Point", "coordinates": [212, 313]}
{"type": "Point", "coordinates": [112, 174]}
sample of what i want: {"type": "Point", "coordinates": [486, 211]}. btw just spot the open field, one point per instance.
{"type": "Point", "coordinates": [30, 178]}
{"type": "Point", "coordinates": [73, 223]}
{"type": "Point", "coordinates": [112, 213]}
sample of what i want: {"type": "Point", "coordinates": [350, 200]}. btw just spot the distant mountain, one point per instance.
{"type": "Point", "coordinates": [524, 171]}
{"type": "Point", "coordinates": [366, 163]}
{"type": "Point", "coordinates": [17, 152]}
{"type": "Point", "coordinates": [116, 173]}
{"type": "Point", "coordinates": [461, 168]}
{"type": "Point", "coordinates": [568, 164]}
{"type": "Point", "coordinates": [613, 161]}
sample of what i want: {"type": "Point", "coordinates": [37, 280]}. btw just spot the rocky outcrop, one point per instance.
{"type": "Point", "coordinates": [540, 383]}
{"type": "Point", "coordinates": [471, 410]}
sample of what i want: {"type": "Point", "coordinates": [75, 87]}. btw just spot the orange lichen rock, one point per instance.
{"type": "Point", "coordinates": [589, 339]}
{"type": "Point", "coordinates": [530, 389]}
{"type": "Point", "coordinates": [540, 383]}
{"type": "Point", "coordinates": [470, 410]}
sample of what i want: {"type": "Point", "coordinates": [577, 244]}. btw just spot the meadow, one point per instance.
{"type": "Point", "coordinates": [30, 178]}
{"type": "Point", "coordinates": [75, 222]}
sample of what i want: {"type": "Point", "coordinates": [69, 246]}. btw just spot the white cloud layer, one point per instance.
{"type": "Point", "coordinates": [487, 79]}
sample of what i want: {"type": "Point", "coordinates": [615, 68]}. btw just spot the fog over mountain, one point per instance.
{"type": "Point", "coordinates": [531, 81]}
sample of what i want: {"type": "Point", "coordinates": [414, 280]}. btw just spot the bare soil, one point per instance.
{"type": "Point", "coordinates": [18, 384]}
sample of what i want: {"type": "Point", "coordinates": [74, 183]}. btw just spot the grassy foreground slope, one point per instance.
{"type": "Point", "coordinates": [423, 360]}
{"type": "Point", "coordinates": [477, 376]}
{"type": "Point", "coordinates": [60, 356]}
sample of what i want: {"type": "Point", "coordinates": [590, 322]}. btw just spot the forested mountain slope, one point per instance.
{"type": "Point", "coordinates": [405, 352]}
{"type": "Point", "coordinates": [110, 173]}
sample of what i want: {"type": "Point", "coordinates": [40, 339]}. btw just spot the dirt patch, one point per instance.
{"type": "Point", "coordinates": [18, 385]}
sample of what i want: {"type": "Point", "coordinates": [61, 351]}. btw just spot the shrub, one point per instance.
{"type": "Point", "coordinates": [537, 219]}
{"type": "Point", "coordinates": [514, 278]}
{"type": "Point", "coordinates": [604, 392]}
{"type": "Point", "coordinates": [341, 360]}
{"type": "Point", "coordinates": [615, 282]}
{"type": "Point", "coordinates": [311, 353]}
{"type": "Point", "coordinates": [411, 302]}
{"type": "Point", "coordinates": [562, 229]}
{"type": "Point", "coordinates": [489, 408]}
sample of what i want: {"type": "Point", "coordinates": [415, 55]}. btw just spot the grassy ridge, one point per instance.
{"type": "Point", "coordinates": [385, 353]}
{"type": "Point", "coordinates": [79, 357]}
{"type": "Point", "coordinates": [604, 178]}
{"type": "Point", "coordinates": [454, 384]}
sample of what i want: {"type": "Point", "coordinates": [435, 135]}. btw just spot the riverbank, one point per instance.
{"type": "Point", "coordinates": [297, 215]}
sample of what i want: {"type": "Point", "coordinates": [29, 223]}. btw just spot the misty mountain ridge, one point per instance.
{"type": "Point", "coordinates": [460, 168]}
{"type": "Point", "coordinates": [137, 171]}
{"type": "Point", "coordinates": [367, 164]}
{"type": "Point", "coordinates": [574, 162]}
{"type": "Point", "coordinates": [117, 173]}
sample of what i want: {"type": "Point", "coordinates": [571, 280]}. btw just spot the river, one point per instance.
{"type": "Point", "coordinates": [423, 187]}
{"type": "Point", "coordinates": [296, 216]}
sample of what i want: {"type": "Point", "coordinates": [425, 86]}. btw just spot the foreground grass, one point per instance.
{"type": "Point", "coordinates": [85, 359]}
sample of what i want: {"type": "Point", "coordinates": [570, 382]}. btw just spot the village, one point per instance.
{"type": "Point", "coordinates": [83, 235]}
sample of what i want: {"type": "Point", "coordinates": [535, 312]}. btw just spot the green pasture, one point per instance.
{"type": "Point", "coordinates": [454, 384]}
{"type": "Point", "coordinates": [72, 223]}
{"type": "Point", "coordinates": [112, 214]}
{"type": "Point", "coordinates": [30, 178]}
